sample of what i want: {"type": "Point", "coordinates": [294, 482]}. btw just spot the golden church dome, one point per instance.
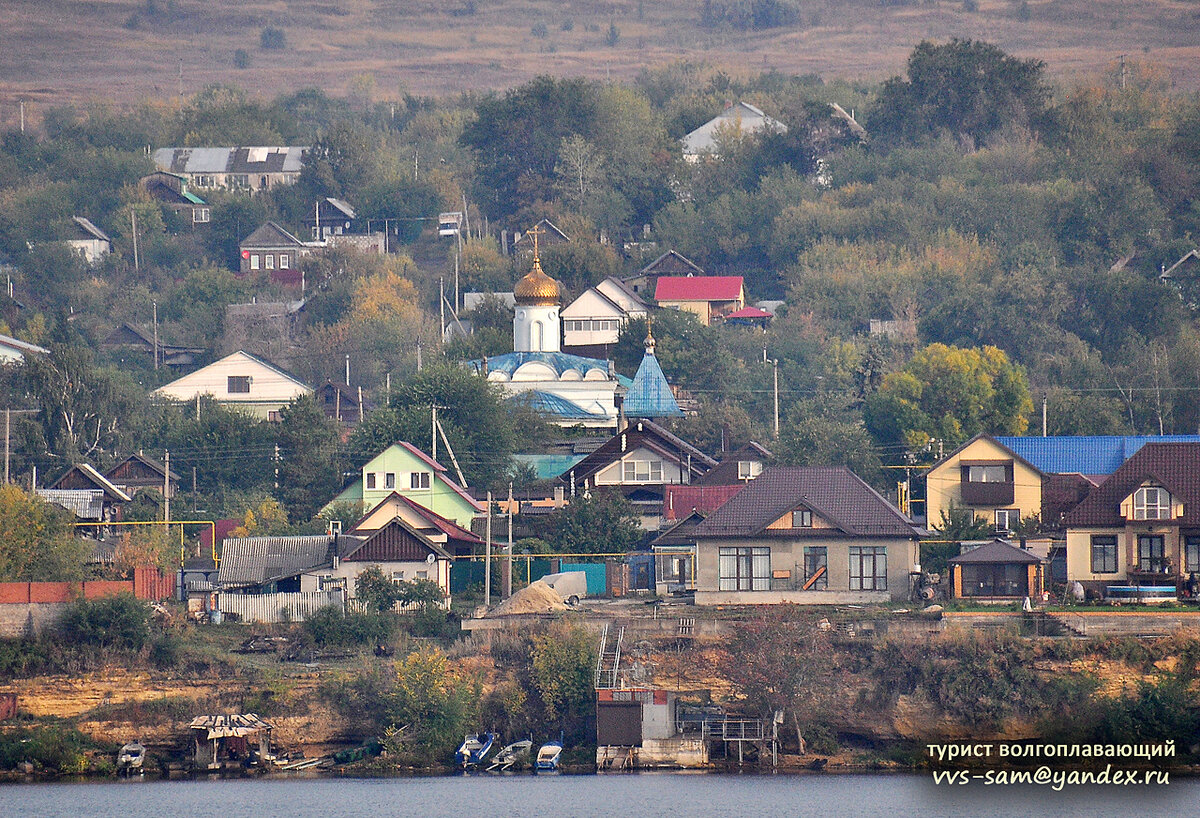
{"type": "Point", "coordinates": [537, 288]}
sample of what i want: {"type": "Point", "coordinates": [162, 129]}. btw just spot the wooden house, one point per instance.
{"type": "Point", "coordinates": [242, 381]}
{"type": "Point", "coordinates": [670, 263]}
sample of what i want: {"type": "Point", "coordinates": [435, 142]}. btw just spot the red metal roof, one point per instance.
{"type": "Point", "coordinates": [698, 288]}
{"type": "Point", "coordinates": [680, 501]}
{"type": "Point", "coordinates": [749, 312]}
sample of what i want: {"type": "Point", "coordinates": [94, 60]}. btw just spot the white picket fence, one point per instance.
{"type": "Point", "coordinates": [271, 608]}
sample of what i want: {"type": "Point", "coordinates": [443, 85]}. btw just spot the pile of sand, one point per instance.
{"type": "Point", "coordinates": [538, 598]}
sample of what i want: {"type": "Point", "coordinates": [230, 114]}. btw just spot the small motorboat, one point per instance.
{"type": "Point", "coordinates": [548, 755]}
{"type": "Point", "coordinates": [130, 758]}
{"type": "Point", "coordinates": [511, 755]}
{"type": "Point", "coordinates": [475, 749]}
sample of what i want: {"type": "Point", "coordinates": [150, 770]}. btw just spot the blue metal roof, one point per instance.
{"type": "Point", "coordinates": [650, 395]}
{"type": "Point", "coordinates": [1097, 454]}
{"type": "Point", "coordinates": [560, 362]}
{"type": "Point", "coordinates": [549, 466]}
{"type": "Point", "coordinates": [550, 404]}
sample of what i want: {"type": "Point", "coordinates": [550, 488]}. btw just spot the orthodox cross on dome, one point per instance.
{"type": "Point", "coordinates": [535, 231]}
{"type": "Point", "coordinates": [649, 342]}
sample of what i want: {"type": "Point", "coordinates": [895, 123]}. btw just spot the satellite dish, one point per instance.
{"type": "Point", "coordinates": [430, 558]}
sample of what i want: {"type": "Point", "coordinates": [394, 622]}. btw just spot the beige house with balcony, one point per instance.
{"type": "Point", "coordinates": [1140, 528]}
{"type": "Point", "coordinates": [989, 479]}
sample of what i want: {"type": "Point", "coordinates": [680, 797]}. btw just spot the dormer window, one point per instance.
{"type": "Point", "coordinates": [749, 469]}
{"type": "Point", "coordinates": [802, 518]}
{"type": "Point", "coordinates": [1151, 503]}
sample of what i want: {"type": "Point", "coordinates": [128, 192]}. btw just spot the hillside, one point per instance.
{"type": "Point", "coordinates": [56, 51]}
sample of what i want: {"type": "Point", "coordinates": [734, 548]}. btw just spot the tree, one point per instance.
{"type": "Point", "coordinates": [36, 543]}
{"type": "Point", "coordinates": [85, 411]}
{"type": "Point", "coordinates": [779, 663]}
{"type": "Point", "coordinates": [563, 660]}
{"type": "Point", "coordinates": [967, 88]}
{"type": "Point", "coordinates": [949, 394]}
{"type": "Point", "coordinates": [375, 590]}
{"type": "Point", "coordinates": [474, 416]}
{"type": "Point", "coordinates": [111, 622]}
{"type": "Point", "coordinates": [308, 469]}
{"type": "Point", "coordinates": [430, 706]}
{"type": "Point", "coordinates": [602, 523]}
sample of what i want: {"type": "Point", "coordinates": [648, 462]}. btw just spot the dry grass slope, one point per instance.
{"type": "Point", "coordinates": [55, 51]}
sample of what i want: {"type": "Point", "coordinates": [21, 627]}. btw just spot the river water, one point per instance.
{"type": "Point", "coordinates": [639, 795]}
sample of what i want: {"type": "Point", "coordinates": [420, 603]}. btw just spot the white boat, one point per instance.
{"type": "Point", "coordinates": [548, 755]}
{"type": "Point", "coordinates": [475, 748]}
{"type": "Point", "coordinates": [130, 758]}
{"type": "Point", "coordinates": [511, 755]}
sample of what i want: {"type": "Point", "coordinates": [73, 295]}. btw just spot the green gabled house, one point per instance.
{"type": "Point", "coordinates": [406, 470]}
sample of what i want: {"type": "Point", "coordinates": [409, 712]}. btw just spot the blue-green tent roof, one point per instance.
{"type": "Point", "coordinates": [650, 395]}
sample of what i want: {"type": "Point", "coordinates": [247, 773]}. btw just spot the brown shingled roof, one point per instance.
{"type": "Point", "coordinates": [834, 493]}
{"type": "Point", "coordinates": [1174, 466]}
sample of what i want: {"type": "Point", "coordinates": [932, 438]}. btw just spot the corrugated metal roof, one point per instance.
{"type": "Point", "coordinates": [650, 395]}
{"type": "Point", "coordinates": [549, 466]}
{"type": "Point", "coordinates": [549, 404]}
{"type": "Point", "coordinates": [272, 159]}
{"type": "Point", "coordinates": [560, 362]}
{"type": "Point", "coordinates": [86, 504]}
{"type": "Point", "coordinates": [1096, 454]}
{"type": "Point", "coordinates": [259, 560]}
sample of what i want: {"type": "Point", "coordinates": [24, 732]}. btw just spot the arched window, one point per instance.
{"type": "Point", "coordinates": [538, 332]}
{"type": "Point", "coordinates": [1151, 503]}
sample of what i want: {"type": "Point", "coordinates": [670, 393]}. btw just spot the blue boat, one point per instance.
{"type": "Point", "coordinates": [475, 749]}
{"type": "Point", "coordinates": [548, 755]}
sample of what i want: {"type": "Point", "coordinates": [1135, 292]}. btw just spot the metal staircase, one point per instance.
{"type": "Point", "coordinates": [609, 660]}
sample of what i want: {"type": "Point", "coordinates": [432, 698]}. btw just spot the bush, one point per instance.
{"type": "Point", "coordinates": [241, 58]}
{"type": "Point", "coordinates": [119, 622]}
{"type": "Point", "coordinates": [272, 39]}
{"type": "Point", "coordinates": [329, 626]}
{"type": "Point", "coordinates": [56, 748]}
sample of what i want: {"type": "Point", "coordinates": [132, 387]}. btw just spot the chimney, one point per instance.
{"type": "Point", "coordinates": [559, 496]}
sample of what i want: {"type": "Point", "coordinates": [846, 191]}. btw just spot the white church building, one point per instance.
{"type": "Point", "coordinates": [569, 389]}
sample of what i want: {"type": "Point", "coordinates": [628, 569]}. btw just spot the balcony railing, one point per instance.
{"type": "Point", "coordinates": [988, 494]}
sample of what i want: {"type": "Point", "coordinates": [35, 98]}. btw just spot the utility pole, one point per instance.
{"type": "Point", "coordinates": [347, 369]}
{"type": "Point", "coordinates": [155, 303]}
{"type": "Point", "coordinates": [166, 485]}
{"type": "Point", "coordinates": [133, 224]}
{"type": "Point", "coordinates": [775, 367]}
{"type": "Point", "coordinates": [433, 432]}
{"type": "Point", "coordinates": [7, 436]}
{"type": "Point", "coordinates": [276, 465]}
{"type": "Point", "coordinates": [1043, 414]}
{"type": "Point", "coordinates": [487, 561]}
{"type": "Point", "coordinates": [508, 554]}
{"type": "Point", "coordinates": [442, 308]}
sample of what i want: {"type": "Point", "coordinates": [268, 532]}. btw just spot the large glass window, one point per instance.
{"type": "Point", "coordinates": [816, 568]}
{"type": "Point", "coordinates": [642, 471]}
{"type": "Point", "coordinates": [744, 569]}
{"type": "Point", "coordinates": [1191, 554]}
{"type": "Point", "coordinates": [987, 474]}
{"type": "Point", "coordinates": [991, 579]}
{"type": "Point", "coordinates": [1152, 553]}
{"type": "Point", "coordinates": [868, 568]}
{"type": "Point", "coordinates": [1151, 503]}
{"type": "Point", "coordinates": [1104, 554]}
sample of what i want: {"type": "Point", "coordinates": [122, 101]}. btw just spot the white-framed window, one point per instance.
{"type": "Point", "coordinates": [201, 215]}
{"type": "Point", "coordinates": [239, 180]}
{"type": "Point", "coordinates": [397, 576]}
{"type": "Point", "coordinates": [868, 568]}
{"type": "Point", "coordinates": [749, 469]}
{"type": "Point", "coordinates": [254, 261]}
{"type": "Point", "coordinates": [987, 474]}
{"type": "Point", "coordinates": [204, 180]}
{"type": "Point", "coordinates": [1006, 518]}
{"type": "Point", "coordinates": [420, 480]}
{"type": "Point", "coordinates": [802, 518]}
{"type": "Point", "coordinates": [270, 261]}
{"type": "Point", "coordinates": [370, 479]}
{"type": "Point", "coordinates": [1104, 554]}
{"type": "Point", "coordinates": [389, 480]}
{"type": "Point", "coordinates": [422, 575]}
{"type": "Point", "coordinates": [1151, 503]}
{"type": "Point", "coordinates": [642, 471]}
{"type": "Point", "coordinates": [744, 569]}
{"type": "Point", "coordinates": [237, 384]}
{"type": "Point", "coordinates": [284, 261]}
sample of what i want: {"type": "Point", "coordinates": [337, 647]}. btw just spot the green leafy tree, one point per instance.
{"type": "Point", "coordinates": [563, 660]}
{"type": "Point", "coordinates": [309, 473]}
{"type": "Point", "coordinates": [474, 416]}
{"type": "Point", "coordinates": [950, 394]}
{"type": "Point", "coordinates": [430, 707]}
{"type": "Point", "coordinates": [36, 543]}
{"type": "Point", "coordinates": [112, 622]}
{"type": "Point", "coordinates": [375, 590]}
{"type": "Point", "coordinates": [602, 523]}
{"type": "Point", "coordinates": [968, 88]}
